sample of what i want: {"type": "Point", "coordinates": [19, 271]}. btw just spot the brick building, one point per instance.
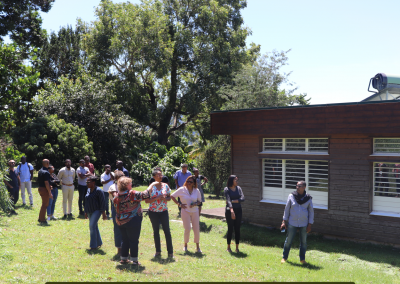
{"type": "Point", "coordinates": [349, 155]}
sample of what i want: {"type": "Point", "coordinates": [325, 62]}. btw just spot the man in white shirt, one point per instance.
{"type": "Point", "coordinates": [66, 176]}
{"type": "Point", "coordinates": [107, 179]}
{"type": "Point", "coordinates": [83, 173]}
{"type": "Point", "coordinates": [25, 172]}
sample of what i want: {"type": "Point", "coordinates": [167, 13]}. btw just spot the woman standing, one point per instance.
{"type": "Point", "coordinates": [233, 213]}
{"type": "Point", "coordinates": [129, 218]}
{"type": "Point", "coordinates": [190, 200]}
{"type": "Point", "coordinates": [95, 206]}
{"type": "Point", "coordinates": [158, 212]}
{"type": "Point", "coordinates": [112, 192]}
{"type": "Point", "coordinates": [54, 182]}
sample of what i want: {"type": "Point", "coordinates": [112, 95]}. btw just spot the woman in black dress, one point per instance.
{"type": "Point", "coordinates": [233, 213]}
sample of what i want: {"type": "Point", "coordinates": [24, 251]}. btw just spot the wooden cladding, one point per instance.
{"type": "Point", "coordinates": [318, 121]}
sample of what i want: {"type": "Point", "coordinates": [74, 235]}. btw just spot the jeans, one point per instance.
{"type": "Point", "coordinates": [95, 238]}
{"type": "Point", "coordinates": [291, 232]}
{"type": "Point", "coordinates": [52, 202]}
{"type": "Point", "coordinates": [130, 238]}
{"type": "Point", "coordinates": [82, 189]}
{"type": "Point", "coordinates": [162, 218]}
{"type": "Point", "coordinates": [233, 224]}
{"type": "Point", "coordinates": [117, 231]}
{"type": "Point", "coordinates": [107, 200]}
{"type": "Point", "coordinates": [44, 194]}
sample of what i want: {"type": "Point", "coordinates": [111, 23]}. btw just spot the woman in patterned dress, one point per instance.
{"type": "Point", "coordinates": [158, 212]}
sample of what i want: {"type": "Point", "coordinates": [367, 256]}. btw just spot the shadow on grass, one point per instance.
{"type": "Point", "coordinates": [306, 266]}
{"type": "Point", "coordinates": [204, 228]}
{"type": "Point", "coordinates": [130, 267]}
{"type": "Point", "coordinates": [116, 257]}
{"type": "Point", "coordinates": [193, 254]}
{"type": "Point", "coordinates": [95, 251]}
{"type": "Point", "coordinates": [239, 254]}
{"type": "Point", "coordinates": [163, 261]}
{"type": "Point", "coordinates": [260, 236]}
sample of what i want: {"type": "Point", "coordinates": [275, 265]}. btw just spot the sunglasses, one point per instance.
{"type": "Point", "coordinates": [189, 181]}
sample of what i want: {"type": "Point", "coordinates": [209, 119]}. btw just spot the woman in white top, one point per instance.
{"type": "Point", "coordinates": [190, 199]}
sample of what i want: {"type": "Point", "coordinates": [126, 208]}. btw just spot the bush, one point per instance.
{"type": "Point", "coordinates": [54, 139]}
{"type": "Point", "coordinates": [215, 162]}
{"type": "Point", "coordinates": [157, 155]}
{"type": "Point", "coordinates": [5, 200]}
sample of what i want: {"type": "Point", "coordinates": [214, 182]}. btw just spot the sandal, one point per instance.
{"type": "Point", "coordinates": [237, 250]}
{"type": "Point", "coordinates": [136, 263]}
{"type": "Point", "coordinates": [229, 250]}
{"type": "Point", "coordinates": [158, 254]}
{"type": "Point", "coordinates": [126, 261]}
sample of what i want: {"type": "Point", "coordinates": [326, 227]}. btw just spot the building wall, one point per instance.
{"type": "Point", "coordinates": [350, 188]}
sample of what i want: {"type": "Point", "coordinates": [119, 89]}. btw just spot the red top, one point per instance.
{"type": "Point", "coordinates": [91, 168]}
{"type": "Point", "coordinates": [127, 205]}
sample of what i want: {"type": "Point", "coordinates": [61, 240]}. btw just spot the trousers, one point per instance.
{"type": "Point", "coordinates": [44, 194]}
{"type": "Point", "coordinates": [68, 195]}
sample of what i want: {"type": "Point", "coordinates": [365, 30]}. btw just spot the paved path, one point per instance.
{"type": "Point", "coordinates": [217, 213]}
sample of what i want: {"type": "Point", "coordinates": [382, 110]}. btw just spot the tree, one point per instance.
{"type": "Point", "coordinates": [21, 20]}
{"type": "Point", "coordinates": [89, 102]}
{"type": "Point", "coordinates": [171, 56]}
{"type": "Point", "coordinates": [52, 138]}
{"type": "Point", "coordinates": [260, 85]}
{"type": "Point", "coordinates": [18, 86]}
{"type": "Point", "coordinates": [215, 162]}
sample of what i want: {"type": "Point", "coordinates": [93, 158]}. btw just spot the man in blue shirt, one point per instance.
{"type": "Point", "coordinates": [180, 177]}
{"type": "Point", "coordinates": [299, 214]}
{"type": "Point", "coordinates": [25, 172]}
{"type": "Point", "coordinates": [13, 185]}
{"type": "Point", "coordinates": [120, 167]}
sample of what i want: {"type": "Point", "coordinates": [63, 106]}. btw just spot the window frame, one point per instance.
{"type": "Point", "coordinates": [384, 154]}
{"type": "Point", "coordinates": [286, 191]}
{"type": "Point", "coordinates": [286, 152]}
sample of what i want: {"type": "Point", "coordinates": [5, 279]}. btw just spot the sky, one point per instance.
{"type": "Point", "coordinates": [336, 46]}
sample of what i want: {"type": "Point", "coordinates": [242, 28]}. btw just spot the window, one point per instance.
{"type": "Point", "coordinates": [386, 187]}
{"type": "Point", "coordinates": [281, 176]}
{"type": "Point", "coordinates": [387, 146]}
{"type": "Point", "coordinates": [293, 145]}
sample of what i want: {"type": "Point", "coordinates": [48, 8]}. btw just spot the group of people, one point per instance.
{"type": "Point", "coordinates": [127, 213]}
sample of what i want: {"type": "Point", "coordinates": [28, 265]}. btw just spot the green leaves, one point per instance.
{"type": "Point", "coordinates": [52, 138]}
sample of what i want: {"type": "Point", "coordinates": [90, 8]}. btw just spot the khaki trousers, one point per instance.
{"type": "Point", "coordinates": [68, 195]}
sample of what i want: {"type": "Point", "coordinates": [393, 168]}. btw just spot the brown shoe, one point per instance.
{"type": "Point", "coordinates": [283, 260]}
{"type": "Point", "coordinates": [303, 262]}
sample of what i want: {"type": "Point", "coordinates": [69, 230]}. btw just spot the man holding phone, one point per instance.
{"type": "Point", "coordinates": [299, 214]}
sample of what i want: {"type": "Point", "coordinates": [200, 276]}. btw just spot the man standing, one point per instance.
{"type": "Point", "coordinates": [25, 172]}
{"type": "Point", "coordinates": [83, 173]}
{"type": "Point", "coordinates": [180, 177]}
{"type": "Point", "coordinates": [299, 214]}
{"type": "Point", "coordinates": [199, 178]}
{"type": "Point", "coordinates": [13, 185]}
{"type": "Point", "coordinates": [89, 165]}
{"type": "Point", "coordinates": [44, 190]}
{"type": "Point", "coordinates": [66, 176]}
{"type": "Point", "coordinates": [120, 167]}
{"type": "Point", "coordinates": [107, 179]}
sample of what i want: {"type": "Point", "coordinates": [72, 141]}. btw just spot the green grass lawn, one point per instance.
{"type": "Point", "coordinates": [31, 253]}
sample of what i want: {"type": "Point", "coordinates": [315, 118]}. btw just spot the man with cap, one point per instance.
{"type": "Point", "coordinates": [120, 167]}
{"type": "Point", "coordinates": [82, 172]}
{"type": "Point", "coordinates": [13, 184]}
{"type": "Point", "coordinates": [44, 190]}
{"type": "Point", "coordinates": [25, 172]}
{"type": "Point", "coordinates": [180, 177]}
{"type": "Point", "coordinates": [199, 178]}
{"type": "Point", "coordinates": [66, 176]}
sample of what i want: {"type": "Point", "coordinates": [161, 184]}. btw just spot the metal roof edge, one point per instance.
{"type": "Point", "coordinates": [307, 106]}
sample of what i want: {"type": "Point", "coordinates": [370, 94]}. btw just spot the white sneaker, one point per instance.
{"type": "Point", "coordinates": [48, 218]}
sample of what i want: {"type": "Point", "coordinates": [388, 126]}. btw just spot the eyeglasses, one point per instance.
{"type": "Point", "coordinates": [189, 181]}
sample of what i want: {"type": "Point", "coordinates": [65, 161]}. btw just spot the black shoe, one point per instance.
{"type": "Point", "coordinates": [81, 213]}
{"type": "Point", "coordinates": [43, 223]}
{"type": "Point", "coordinates": [14, 213]}
{"type": "Point", "coordinates": [70, 216]}
{"type": "Point", "coordinates": [65, 216]}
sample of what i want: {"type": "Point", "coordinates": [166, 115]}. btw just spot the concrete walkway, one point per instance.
{"type": "Point", "coordinates": [216, 213]}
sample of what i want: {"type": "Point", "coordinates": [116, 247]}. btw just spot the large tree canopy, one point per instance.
{"type": "Point", "coordinates": [21, 20]}
{"type": "Point", "coordinates": [171, 55]}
